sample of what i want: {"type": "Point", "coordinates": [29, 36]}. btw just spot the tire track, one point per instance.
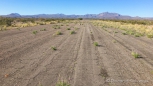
{"type": "Point", "coordinates": [87, 68]}
{"type": "Point", "coordinates": [33, 62]}
{"type": "Point", "coordinates": [60, 63]}
{"type": "Point", "coordinates": [125, 63]}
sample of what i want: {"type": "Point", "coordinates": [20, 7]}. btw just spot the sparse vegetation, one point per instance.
{"type": "Point", "coordinates": [150, 35]}
{"type": "Point", "coordinates": [35, 32]}
{"type": "Point", "coordinates": [76, 28]}
{"type": "Point", "coordinates": [115, 32]}
{"type": "Point", "coordinates": [124, 33]}
{"type": "Point", "coordinates": [40, 84]}
{"type": "Point", "coordinates": [104, 29]}
{"type": "Point", "coordinates": [68, 29]}
{"type": "Point", "coordinates": [135, 54]}
{"type": "Point", "coordinates": [137, 35]}
{"type": "Point", "coordinates": [114, 41]}
{"type": "Point", "coordinates": [72, 32]}
{"type": "Point", "coordinates": [26, 22]}
{"type": "Point", "coordinates": [152, 71]}
{"type": "Point", "coordinates": [58, 33]}
{"type": "Point", "coordinates": [53, 48]}
{"type": "Point", "coordinates": [80, 18]}
{"type": "Point", "coordinates": [96, 43]}
{"type": "Point", "coordinates": [103, 73]}
{"type": "Point", "coordinates": [62, 83]}
{"type": "Point", "coordinates": [43, 29]}
{"type": "Point", "coordinates": [130, 32]}
{"type": "Point", "coordinates": [131, 27]}
{"type": "Point", "coordinates": [18, 28]}
{"type": "Point", "coordinates": [56, 27]}
{"type": "Point", "coordinates": [1, 29]}
{"type": "Point", "coordinates": [57, 52]}
{"type": "Point", "coordinates": [5, 29]}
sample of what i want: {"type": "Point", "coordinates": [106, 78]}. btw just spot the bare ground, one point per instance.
{"type": "Point", "coordinates": [28, 60]}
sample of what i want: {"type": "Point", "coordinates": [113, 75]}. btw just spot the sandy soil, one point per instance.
{"type": "Point", "coordinates": [28, 60]}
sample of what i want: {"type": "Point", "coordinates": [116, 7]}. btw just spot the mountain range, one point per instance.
{"type": "Point", "coordinates": [104, 15]}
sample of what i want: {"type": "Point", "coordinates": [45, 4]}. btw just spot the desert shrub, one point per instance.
{"type": "Point", "coordinates": [6, 21]}
{"type": "Point", "coordinates": [124, 33]}
{"type": "Point", "coordinates": [80, 18]}
{"type": "Point", "coordinates": [56, 27]}
{"type": "Point", "coordinates": [96, 43]}
{"type": "Point", "coordinates": [150, 35]}
{"type": "Point", "coordinates": [68, 29]}
{"type": "Point", "coordinates": [53, 48]}
{"type": "Point", "coordinates": [1, 29]}
{"type": "Point", "coordinates": [130, 32]}
{"type": "Point", "coordinates": [58, 33]}
{"type": "Point", "coordinates": [137, 35]}
{"type": "Point", "coordinates": [135, 54]}
{"type": "Point", "coordinates": [43, 29]}
{"type": "Point", "coordinates": [41, 23]}
{"type": "Point", "coordinates": [114, 41]}
{"type": "Point", "coordinates": [62, 83]}
{"type": "Point", "coordinates": [76, 28]}
{"type": "Point", "coordinates": [35, 32]}
{"type": "Point", "coordinates": [72, 32]}
{"type": "Point", "coordinates": [18, 28]}
{"type": "Point", "coordinates": [115, 32]}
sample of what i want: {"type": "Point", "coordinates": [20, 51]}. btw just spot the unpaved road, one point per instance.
{"type": "Point", "coordinates": [28, 60]}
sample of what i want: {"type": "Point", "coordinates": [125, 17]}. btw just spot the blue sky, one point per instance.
{"type": "Point", "coordinates": [142, 8]}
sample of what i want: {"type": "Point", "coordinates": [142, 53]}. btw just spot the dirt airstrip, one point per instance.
{"type": "Point", "coordinates": [27, 59]}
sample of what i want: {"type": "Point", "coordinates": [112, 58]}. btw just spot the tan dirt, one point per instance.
{"type": "Point", "coordinates": [28, 60]}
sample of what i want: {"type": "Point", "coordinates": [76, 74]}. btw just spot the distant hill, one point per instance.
{"type": "Point", "coordinates": [105, 15]}
{"type": "Point", "coordinates": [16, 15]}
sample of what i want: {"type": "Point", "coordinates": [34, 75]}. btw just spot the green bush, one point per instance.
{"type": "Point", "coordinates": [72, 32]}
{"type": "Point", "coordinates": [58, 33]}
{"type": "Point", "coordinates": [115, 32]}
{"type": "Point", "coordinates": [62, 84]}
{"type": "Point", "coordinates": [43, 29]}
{"type": "Point", "coordinates": [35, 32]}
{"type": "Point", "coordinates": [53, 48]}
{"type": "Point", "coordinates": [96, 43]}
{"type": "Point", "coordinates": [68, 29]}
{"type": "Point", "coordinates": [124, 33]}
{"type": "Point", "coordinates": [135, 54]}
